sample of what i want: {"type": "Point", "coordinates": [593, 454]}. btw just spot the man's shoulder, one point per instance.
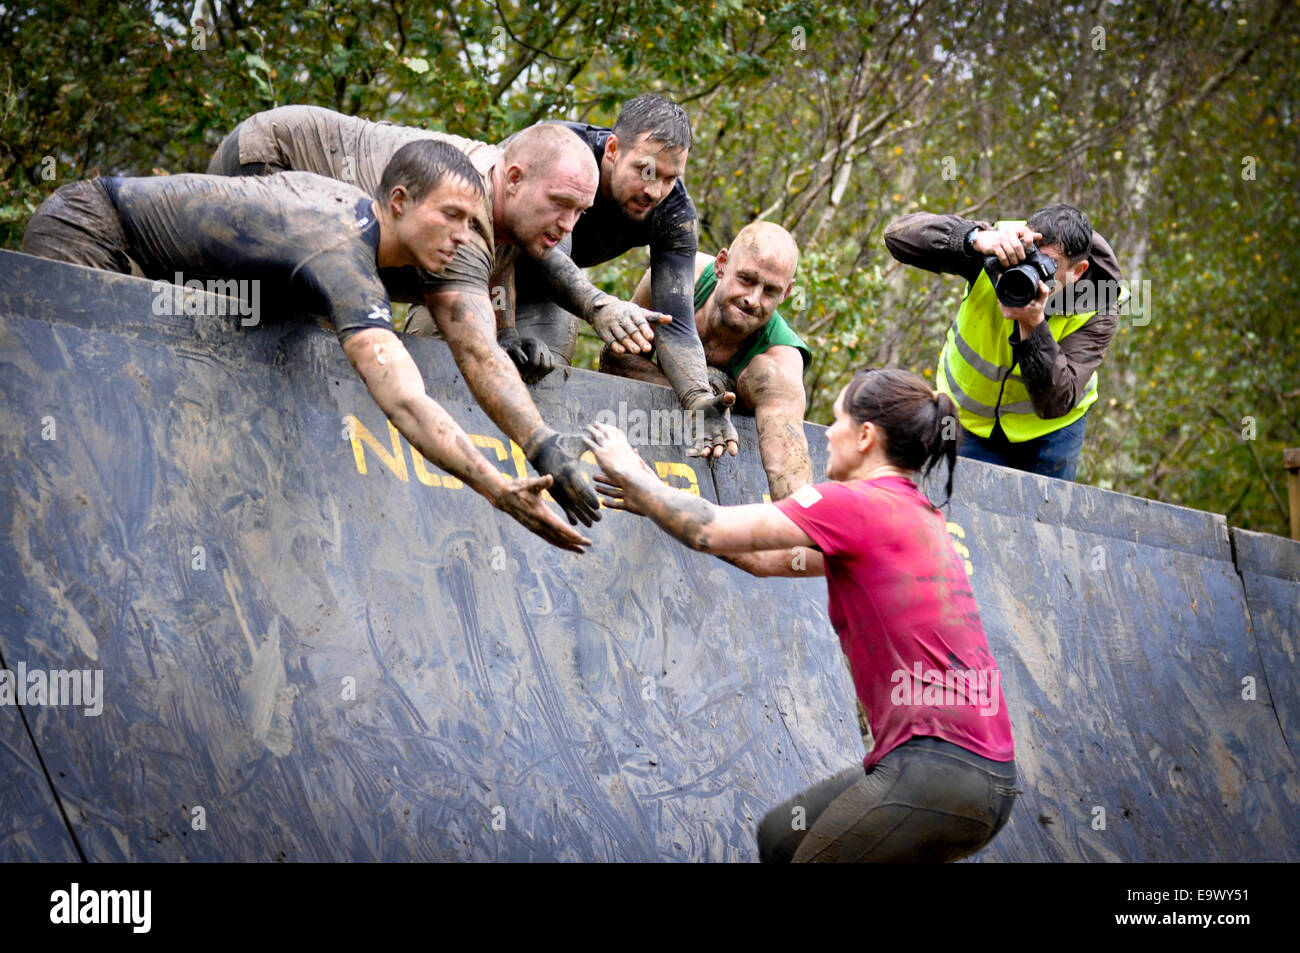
{"type": "Point", "coordinates": [299, 188]}
{"type": "Point", "coordinates": [778, 333]}
{"type": "Point", "coordinates": [703, 264]}
{"type": "Point", "coordinates": [593, 136]}
{"type": "Point", "coordinates": [484, 155]}
{"type": "Point", "coordinates": [677, 206]}
{"type": "Point", "coordinates": [774, 369]}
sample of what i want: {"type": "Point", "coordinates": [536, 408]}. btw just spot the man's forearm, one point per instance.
{"type": "Point", "coordinates": [391, 377]}
{"type": "Point", "coordinates": [681, 355]}
{"type": "Point", "coordinates": [772, 384]}
{"type": "Point", "coordinates": [632, 366]}
{"type": "Point", "coordinates": [570, 288]}
{"type": "Point", "coordinates": [935, 243]}
{"type": "Point", "coordinates": [1057, 372]}
{"type": "Point", "coordinates": [783, 449]}
{"type": "Point", "coordinates": [467, 323]}
{"type": "Point", "coordinates": [432, 431]}
{"type": "Point", "coordinates": [682, 361]}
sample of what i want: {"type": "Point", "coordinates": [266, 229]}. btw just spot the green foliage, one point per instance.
{"type": "Point", "coordinates": [832, 122]}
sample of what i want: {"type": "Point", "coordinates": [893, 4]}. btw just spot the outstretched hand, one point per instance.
{"type": "Point", "coordinates": [619, 462]}
{"type": "Point", "coordinates": [716, 433]}
{"type": "Point", "coordinates": [570, 488]}
{"type": "Point", "coordinates": [522, 501]}
{"type": "Point", "coordinates": [625, 327]}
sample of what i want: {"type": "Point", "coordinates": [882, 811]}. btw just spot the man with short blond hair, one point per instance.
{"type": "Point", "coordinates": [749, 346]}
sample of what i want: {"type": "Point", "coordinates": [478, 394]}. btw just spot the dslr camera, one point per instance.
{"type": "Point", "coordinates": [1017, 285]}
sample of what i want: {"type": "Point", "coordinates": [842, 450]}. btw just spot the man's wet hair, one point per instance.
{"type": "Point", "coordinates": [422, 166]}
{"type": "Point", "coordinates": [1066, 226]}
{"type": "Point", "coordinates": [660, 119]}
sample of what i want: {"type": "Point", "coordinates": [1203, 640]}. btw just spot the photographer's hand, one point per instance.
{"type": "Point", "coordinates": [1031, 315]}
{"type": "Point", "coordinates": [1008, 246]}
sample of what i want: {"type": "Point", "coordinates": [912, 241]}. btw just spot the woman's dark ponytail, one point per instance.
{"type": "Point", "coordinates": [943, 438]}
{"type": "Point", "coordinates": [920, 424]}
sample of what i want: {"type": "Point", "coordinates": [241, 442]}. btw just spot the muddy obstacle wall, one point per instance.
{"type": "Point", "coordinates": [312, 646]}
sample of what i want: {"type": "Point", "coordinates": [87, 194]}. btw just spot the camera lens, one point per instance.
{"type": "Point", "coordinates": [1018, 286]}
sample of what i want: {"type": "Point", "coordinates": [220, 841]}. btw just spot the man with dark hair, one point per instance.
{"type": "Point", "coordinates": [641, 201]}
{"type": "Point", "coordinates": [1023, 378]}
{"type": "Point", "coordinates": [533, 191]}
{"type": "Point", "coordinates": [327, 244]}
{"type": "Point", "coordinates": [749, 347]}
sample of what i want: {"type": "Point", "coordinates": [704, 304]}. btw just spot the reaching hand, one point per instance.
{"type": "Point", "coordinates": [569, 488]}
{"type": "Point", "coordinates": [611, 489]}
{"type": "Point", "coordinates": [531, 356]}
{"type": "Point", "coordinates": [618, 461]}
{"type": "Point", "coordinates": [715, 433]}
{"type": "Point", "coordinates": [1008, 246]}
{"type": "Point", "coordinates": [522, 501]}
{"type": "Point", "coordinates": [625, 327]}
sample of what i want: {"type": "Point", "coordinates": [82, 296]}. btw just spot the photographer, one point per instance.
{"type": "Point", "coordinates": [1023, 374]}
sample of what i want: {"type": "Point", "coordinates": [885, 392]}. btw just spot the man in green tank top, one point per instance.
{"type": "Point", "coordinates": [747, 342]}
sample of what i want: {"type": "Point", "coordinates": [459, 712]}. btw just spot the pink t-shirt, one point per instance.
{"type": "Point", "coordinates": [906, 616]}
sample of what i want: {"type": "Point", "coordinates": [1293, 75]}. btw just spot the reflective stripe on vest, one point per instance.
{"type": "Point", "coordinates": [975, 365]}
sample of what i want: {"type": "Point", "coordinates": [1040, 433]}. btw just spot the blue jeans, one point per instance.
{"type": "Point", "coordinates": [1053, 455]}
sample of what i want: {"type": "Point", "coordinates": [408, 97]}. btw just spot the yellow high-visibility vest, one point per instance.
{"type": "Point", "coordinates": [975, 368]}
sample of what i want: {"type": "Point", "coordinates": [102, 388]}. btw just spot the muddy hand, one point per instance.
{"type": "Point", "coordinates": [531, 356]}
{"type": "Point", "coordinates": [625, 327]}
{"type": "Point", "coordinates": [522, 501]}
{"type": "Point", "coordinates": [570, 489]}
{"type": "Point", "coordinates": [618, 461]}
{"type": "Point", "coordinates": [715, 433]}
{"type": "Point", "coordinates": [720, 381]}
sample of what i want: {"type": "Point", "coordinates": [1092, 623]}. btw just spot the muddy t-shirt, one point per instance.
{"type": "Point", "coordinates": [902, 605]}
{"type": "Point", "coordinates": [316, 236]}
{"type": "Point", "coordinates": [356, 151]}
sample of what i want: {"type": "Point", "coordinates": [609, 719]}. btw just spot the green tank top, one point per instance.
{"type": "Point", "coordinates": [775, 332]}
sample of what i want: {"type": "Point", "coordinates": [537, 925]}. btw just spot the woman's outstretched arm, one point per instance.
{"type": "Point", "coordinates": [758, 537]}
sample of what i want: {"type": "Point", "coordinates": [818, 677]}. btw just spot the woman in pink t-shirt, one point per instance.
{"type": "Point", "coordinates": [939, 782]}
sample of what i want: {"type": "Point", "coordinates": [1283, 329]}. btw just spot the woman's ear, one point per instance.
{"type": "Point", "coordinates": [868, 437]}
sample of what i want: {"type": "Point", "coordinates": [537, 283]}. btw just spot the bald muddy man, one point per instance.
{"type": "Point", "coordinates": [642, 202]}
{"type": "Point", "coordinates": [533, 191]}
{"type": "Point", "coordinates": [749, 346]}
{"type": "Point", "coordinates": [320, 242]}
